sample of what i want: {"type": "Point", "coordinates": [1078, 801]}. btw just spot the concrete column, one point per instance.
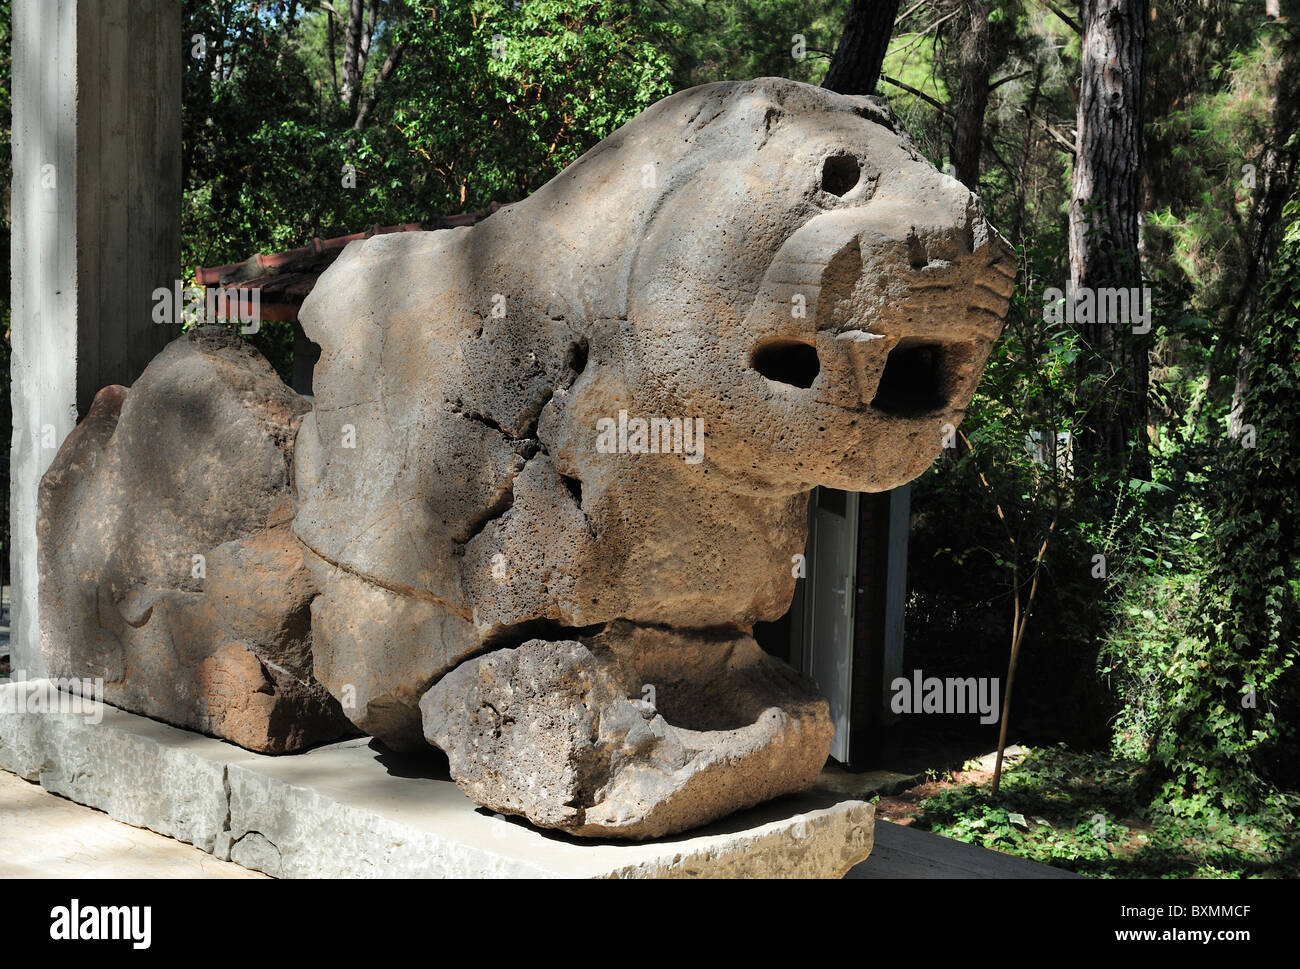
{"type": "Point", "coordinates": [96, 228]}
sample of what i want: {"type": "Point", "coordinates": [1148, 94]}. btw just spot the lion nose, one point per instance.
{"type": "Point", "coordinates": [886, 305]}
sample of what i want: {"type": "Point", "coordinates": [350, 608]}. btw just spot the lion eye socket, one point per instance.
{"type": "Point", "coordinates": [840, 173]}
{"type": "Point", "coordinates": [787, 362]}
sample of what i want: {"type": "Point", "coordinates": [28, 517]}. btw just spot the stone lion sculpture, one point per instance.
{"type": "Point", "coordinates": [556, 468]}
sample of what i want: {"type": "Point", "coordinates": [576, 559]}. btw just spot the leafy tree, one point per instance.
{"type": "Point", "coordinates": [732, 40]}
{"type": "Point", "coordinates": [1229, 735]}
{"type": "Point", "coordinates": [433, 109]}
{"type": "Point", "coordinates": [491, 101]}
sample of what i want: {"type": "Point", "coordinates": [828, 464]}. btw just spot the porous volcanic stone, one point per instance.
{"type": "Point", "coordinates": [768, 262]}
{"type": "Point", "coordinates": [640, 732]}
{"type": "Point", "coordinates": [167, 564]}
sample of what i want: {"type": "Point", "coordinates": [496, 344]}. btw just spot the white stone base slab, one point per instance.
{"type": "Point", "coordinates": [353, 809]}
{"type": "Point", "coordinates": [46, 836]}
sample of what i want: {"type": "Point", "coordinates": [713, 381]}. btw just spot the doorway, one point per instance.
{"type": "Point", "coordinates": [845, 623]}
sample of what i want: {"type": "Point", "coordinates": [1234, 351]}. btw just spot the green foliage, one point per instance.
{"type": "Point", "coordinates": [491, 102]}
{"type": "Point", "coordinates": [742, 39]}
{"type": "Point", "coordinates": [1228, 737]}
{"type": "Point", "coordinates": [1088, 813]}
{"type": "Point", "coordinates": [1210, 120]}
{"type": "Point", "coordinates": [1152, 624]}
{"type": "Point", "coordinates": [261, 169]}
{"type": "Point", "coordinates": [1198, 601]}
{"type": "Point", "coordinates": [487, 103]}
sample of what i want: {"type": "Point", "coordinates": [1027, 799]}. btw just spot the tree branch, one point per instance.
{"type": "Point", "coordinates": [916, 38]}
{"type": "Point", "coordinates": [1003, 80]}
{"type": "Point", "coordinates": [909, 11]}
{"type": "Point", "coordinates": [1057, 137]}
{"type": "Point", "coordinates": [1070, 21]}
{"type": "Point", "coordinates": [914, 92]}
{"type": "Point", "coordinates": [390, 64]}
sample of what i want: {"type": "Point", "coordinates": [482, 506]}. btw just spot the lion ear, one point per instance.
{"type": "Point", "coordinates": [796, 98]}
{"type": "Point", "coordinates": [320, 310]}
{"type": "Point", "coordinates": [745, 114]}
{"type": "Point", "coordinates": [872, 107]}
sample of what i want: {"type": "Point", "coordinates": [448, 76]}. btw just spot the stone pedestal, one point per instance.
{"type": "Point", "coordinates": [353, 809]}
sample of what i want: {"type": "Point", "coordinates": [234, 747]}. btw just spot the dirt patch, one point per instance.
{"type": "Point", "coordinates": [905, 808]}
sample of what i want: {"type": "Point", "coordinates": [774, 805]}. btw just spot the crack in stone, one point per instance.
{"type": "Point", "coordinates": [395, 588]}
{"type": "Point", "coordinates": [279, 855]}
{"type": "Point", "coordinates": [516, 634]}
{"type": "Point", "coordinates": [494, 511]}
{"type": "Point", "coordinates": [534, 416]}
{"type": "Point", "coordinates": [225, 787]}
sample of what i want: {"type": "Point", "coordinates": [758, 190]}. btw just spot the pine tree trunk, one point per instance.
{"type": "Point", "coordinates": [1104, 208]}
{"type": "Point", "coordinates": [855, 68]}
{"type": "Point", "coordinates": [351, 57]}
{"type": "Point", "coordinates": [972, 95]}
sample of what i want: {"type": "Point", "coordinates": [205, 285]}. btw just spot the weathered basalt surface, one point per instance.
{"type": "Point", "coordinates": [765, 260]}
{"type": "Point", "coordinates": [194, 460]}
{"type": "Point", "coordinates": [638, 732]}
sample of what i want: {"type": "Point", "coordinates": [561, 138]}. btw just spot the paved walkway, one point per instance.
{"type": "Point", "coordinates": [45, 836]}
{"type": "Point", "coordinates": [904, 852]}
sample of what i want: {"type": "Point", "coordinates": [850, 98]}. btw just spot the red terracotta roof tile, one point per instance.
{"type": "Point", "coordinates": [285, 278]}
